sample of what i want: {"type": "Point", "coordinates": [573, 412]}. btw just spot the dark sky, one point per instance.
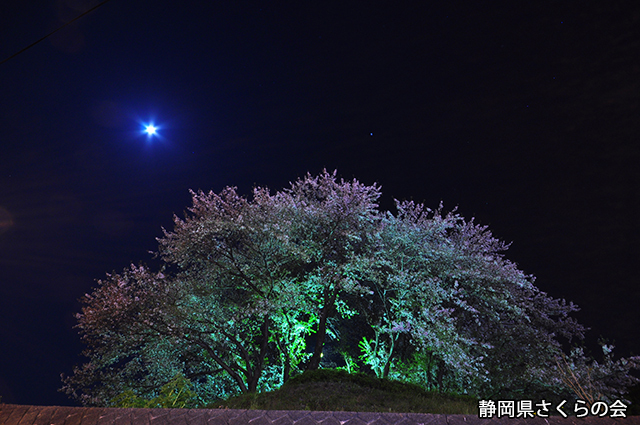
{"type": "Point", "coordinates": [524, 114]}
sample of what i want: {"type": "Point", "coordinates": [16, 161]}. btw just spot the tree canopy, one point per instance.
{"type": "Point", "coordinates": [252, 292]}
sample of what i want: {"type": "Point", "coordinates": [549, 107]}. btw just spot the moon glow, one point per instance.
{"type": "Point", "coordinates": [150, 129]}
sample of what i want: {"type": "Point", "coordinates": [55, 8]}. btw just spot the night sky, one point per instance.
{"type": "Point", "coordinates": [524, 114]}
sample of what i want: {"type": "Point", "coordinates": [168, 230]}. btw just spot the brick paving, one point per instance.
{"type": "Point", "coordinates": [13, 414]}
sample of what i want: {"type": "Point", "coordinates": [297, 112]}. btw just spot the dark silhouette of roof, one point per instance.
{"type": "Point", "coordinates": [13, 414]}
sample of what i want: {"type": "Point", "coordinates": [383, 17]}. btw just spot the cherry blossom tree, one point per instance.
{"type": "Point", "coordinates": [127, 324]}
{"type": "Point", "coordinates": [250, 279]}
{"type": "Point", "coordinates": [235, 262]}
{"type": "Point", "coordinates": [332, 224]}
{"type": "Point", "coordinates": [449, 311]}
{"type": "Point", "coordinates": [247, 283]}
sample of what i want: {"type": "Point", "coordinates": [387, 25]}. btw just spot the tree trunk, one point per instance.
{"type": "Point", "coordinates": [287, 360]}
{"type": "Point", "coordinates": [234, 375]}
{"type": "Point", "coordinates": [429, 374]}
{"type": "Point", "coordinates": [287, 370]}
{"type": "Point", "coordinates": [257, 371]}
{"type": "Point", "coordinates": [440, 374]}
{"type": "Point", "coordinates": [387, 365]}
{"type": "Point", "coordinates": [327, 309]}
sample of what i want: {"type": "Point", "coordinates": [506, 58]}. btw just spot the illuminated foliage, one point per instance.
{"type": "Point", "coordinates": [247, 283]}
{"type": "Point", "coordinates": [176, 393]}
{"type": "Point", "coordinates": [592, 381]}
{"type": "Point", "coordinates": [331, 224]}
{"type": "Point", "coordinates": [442, 287]}
{"type": "Point", "coordinates": [252, 279]}
{"type": "Point", "coordinates": [126, 324]}
{"type": "Point", "coordinates": [449, 312]}
{"type": "Point", "coordinates": [412, 295]}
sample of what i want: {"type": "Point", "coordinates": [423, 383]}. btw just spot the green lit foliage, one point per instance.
{"type": "Point", "coordinates": [350, 364]}
{"type": "Point", "coordinates": [252, 279]}
{"type": "Point", "coordinates": [289, 338]}
{"type": "Point", "coordinates": [413, 295]}
{"type": "Point", "coordinates": [234, 260]}
{"type": "Point", "coordinates": [176, 393]}
{"type": "Point", "coordinates": [420, 368]}
{"type": "Point", "coordinates": [215, 316]}
{"type": "Point", "coordinates": [447, 306]}
{"type": "Point", "coordinates": [331, 225]}
{"type": "Point", "coordinates": [417, 296]}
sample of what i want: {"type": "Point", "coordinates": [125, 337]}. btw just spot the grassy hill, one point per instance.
{"type": "Point", "coordinates": [337, 390]}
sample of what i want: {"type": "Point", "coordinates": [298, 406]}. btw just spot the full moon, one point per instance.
{"type": "Point", "coordinates": [150, 129]}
